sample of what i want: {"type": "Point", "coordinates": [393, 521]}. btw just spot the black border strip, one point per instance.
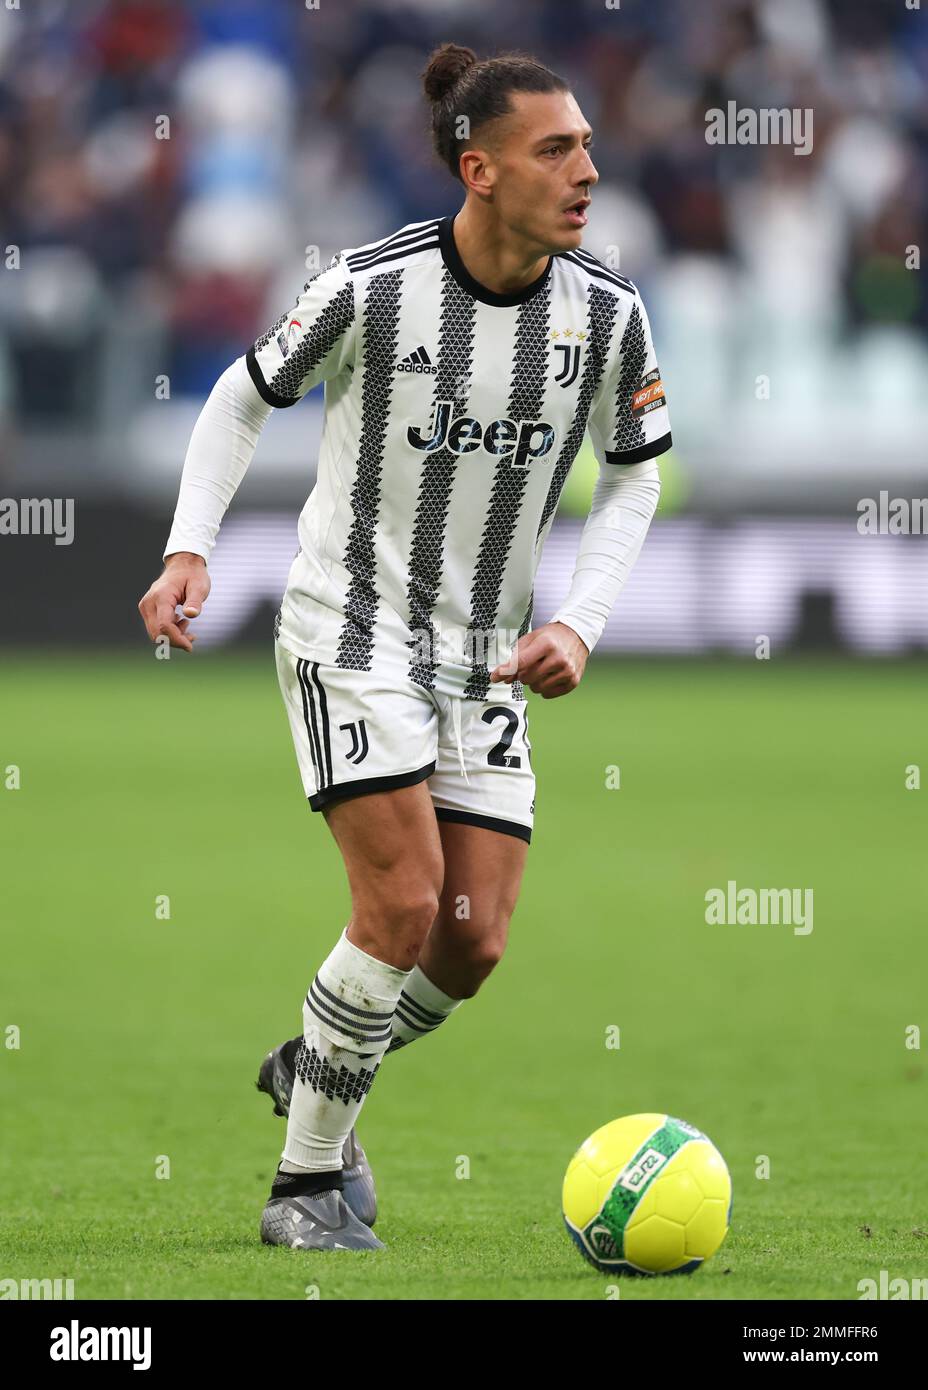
{"type": "Point", "coordinates": [600, 273]}
{"type": "Point", "coordinates": [505, 827]}
{"type": "Point", "coordinates": [398, 255]}
{"type": "Point", "coordinates": [588, 256]}
{"type": "Point", "coordinates": [643, 452]}
{"type": "Point", "coordinates": [264, 391]}
{"type": "Point", "coordinates": [363, 786]}
{"type": "Point", "coordinates": [359, 259]}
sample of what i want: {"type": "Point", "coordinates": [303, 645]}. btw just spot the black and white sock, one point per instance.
{"type": "Point", "coordinates": [420, 1008]}
{"type": "Point", "coordinates": [347, 1026]}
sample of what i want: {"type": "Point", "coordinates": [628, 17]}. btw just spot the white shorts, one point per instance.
{"type": "Point", "coordinates": [357, 732]}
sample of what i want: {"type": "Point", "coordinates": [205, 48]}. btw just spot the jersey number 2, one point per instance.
{"type": "Point", "coordinates": [499, 755]}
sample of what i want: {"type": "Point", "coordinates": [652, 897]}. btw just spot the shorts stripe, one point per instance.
{"type": "Point", "coordinates": [309, 719]}
{"type": "Point", "coordinates": [324, 714]}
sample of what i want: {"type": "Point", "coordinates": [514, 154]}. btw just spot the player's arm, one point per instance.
{"type": "Point", "coordinates": [624, 502]}
{"type": "Point", "coordinates": [630, 428]}
{"type": "Point", "coordinates": [221, 447]}
{"type": "Point", "coordinates": [551, 659]}
{"type": "Point", "coordinates": [312, 342]}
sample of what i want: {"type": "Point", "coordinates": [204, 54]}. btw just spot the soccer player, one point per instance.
{"type": "Point", "coordinates": [463, 359]}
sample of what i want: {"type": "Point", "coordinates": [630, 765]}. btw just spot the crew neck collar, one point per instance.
{"type": "Point", "coordinates": [452, 259]}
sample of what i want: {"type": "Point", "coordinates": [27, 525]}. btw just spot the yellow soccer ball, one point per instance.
{"type": "Point", "coordinates": [647, 1194]}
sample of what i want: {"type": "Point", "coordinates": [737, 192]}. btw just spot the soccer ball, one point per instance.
{"type": "Point", "coordinates": [647, 1194]}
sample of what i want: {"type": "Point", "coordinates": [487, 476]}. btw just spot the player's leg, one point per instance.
{"type": "Point", "coordinates": [485, 813]}
{"type": "Point", "coordinates": [391, 849]}
{"type": "Point", "coordinates": [421, 1005]}
{"type": "Point", "coordinates": [392, 855]}
{"type": "Point", "coordinates": [483, 876]}
{"type": "Point", "coordinates": [483, 790]}
{"type": "Point", "coordinates": [385, 827]}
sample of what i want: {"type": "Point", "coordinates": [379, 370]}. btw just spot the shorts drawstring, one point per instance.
{"type": "Point", "coordinates": [456, 721]}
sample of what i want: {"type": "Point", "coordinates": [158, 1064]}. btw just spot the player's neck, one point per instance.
{"type": "Point", "coordinates": [492, 256]}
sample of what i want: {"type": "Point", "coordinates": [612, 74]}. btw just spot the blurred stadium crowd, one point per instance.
{"type": "Point", "coordinates": [291, 126]}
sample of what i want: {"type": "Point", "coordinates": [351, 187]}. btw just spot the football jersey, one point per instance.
{"type": "Point", "coordinates": [452, 417]}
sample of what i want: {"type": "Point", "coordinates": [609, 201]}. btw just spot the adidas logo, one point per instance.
{"type": "Point", "coordinates": [418, 361]}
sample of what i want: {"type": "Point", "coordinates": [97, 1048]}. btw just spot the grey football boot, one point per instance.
{"type": "Point", "coordinates": [313, 1219]}
{"type": "Point", "coordinates": [276, 1075]}
{"type": "Point", "coordinates": [275, 1079]}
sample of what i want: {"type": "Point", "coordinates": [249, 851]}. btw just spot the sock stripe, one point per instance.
{"type": "Point", "coordinates": [413, 1023]}
{"type": "Point", "coordinates": [363, 1032]}
{"type": "Point", "coordinates": [351, 1030]}
{"type": "Point", "coordinates": [319, 1005]}
{"type": "Point", "coordinates": [347, 1008]}
{"type": "Point", "coordinates": [426, 1015]}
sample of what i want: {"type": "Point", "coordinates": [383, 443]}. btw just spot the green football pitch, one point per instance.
{"type": "Point", "coordinates": [136, 1153]}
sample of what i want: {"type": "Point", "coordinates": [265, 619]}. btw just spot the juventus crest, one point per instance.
{"type": "Point", "coordinates": [359, 745]}
{"type": "Point", "coordinates": [569, 364]}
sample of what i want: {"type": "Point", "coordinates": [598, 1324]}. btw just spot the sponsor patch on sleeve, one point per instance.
{"type": "Point", "coordinates": [649, 395]}
{"type": "Point", "coordinates": [285, 341]}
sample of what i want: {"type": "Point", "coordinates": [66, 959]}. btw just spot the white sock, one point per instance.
{"type": "Point", "coordinates": [420, 1008]}
{"type": "Point", "coordinates": [347, 1018]}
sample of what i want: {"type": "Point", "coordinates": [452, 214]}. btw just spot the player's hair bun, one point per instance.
{"type": "Point", "coordinates": [443, 69]}
{"type": "Point", "coordinates": [458, 86]}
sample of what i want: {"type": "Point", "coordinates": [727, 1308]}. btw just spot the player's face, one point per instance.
{"type": "Point", "coordinates": [544, 170]}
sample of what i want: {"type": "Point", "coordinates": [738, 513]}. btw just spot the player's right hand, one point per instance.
{"type": "Point", "coordinates": [184, 583]}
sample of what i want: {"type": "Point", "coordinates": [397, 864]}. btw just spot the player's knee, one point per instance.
{"type": "Point", "coordinates": [413, 911]}
{"type": "Point", "coordinates": [482, 957]}
{"type": "Point", "coordinates": [395, 925]}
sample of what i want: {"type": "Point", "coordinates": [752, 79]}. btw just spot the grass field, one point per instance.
{"type": "Point", "coordinates": [141, 1037]}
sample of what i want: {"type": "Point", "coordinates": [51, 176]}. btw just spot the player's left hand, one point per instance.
{"type": "Point", "coordinates": [550, 660]}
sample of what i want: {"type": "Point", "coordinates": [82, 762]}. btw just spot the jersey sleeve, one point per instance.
{"type": "Point", "coordinates": [630, 422]}
{"type": "Point", "coordinates": [313, 341]}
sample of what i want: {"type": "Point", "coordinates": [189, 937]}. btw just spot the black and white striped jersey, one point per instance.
{"type": "Point", "coordinates": [452, 417]}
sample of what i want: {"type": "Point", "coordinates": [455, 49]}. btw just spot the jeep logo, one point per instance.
{"type": "Point", "coordinates": [530, 439]}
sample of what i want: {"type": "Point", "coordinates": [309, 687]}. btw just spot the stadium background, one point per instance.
{"type": "Point", "coordinates": [791, 331]}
